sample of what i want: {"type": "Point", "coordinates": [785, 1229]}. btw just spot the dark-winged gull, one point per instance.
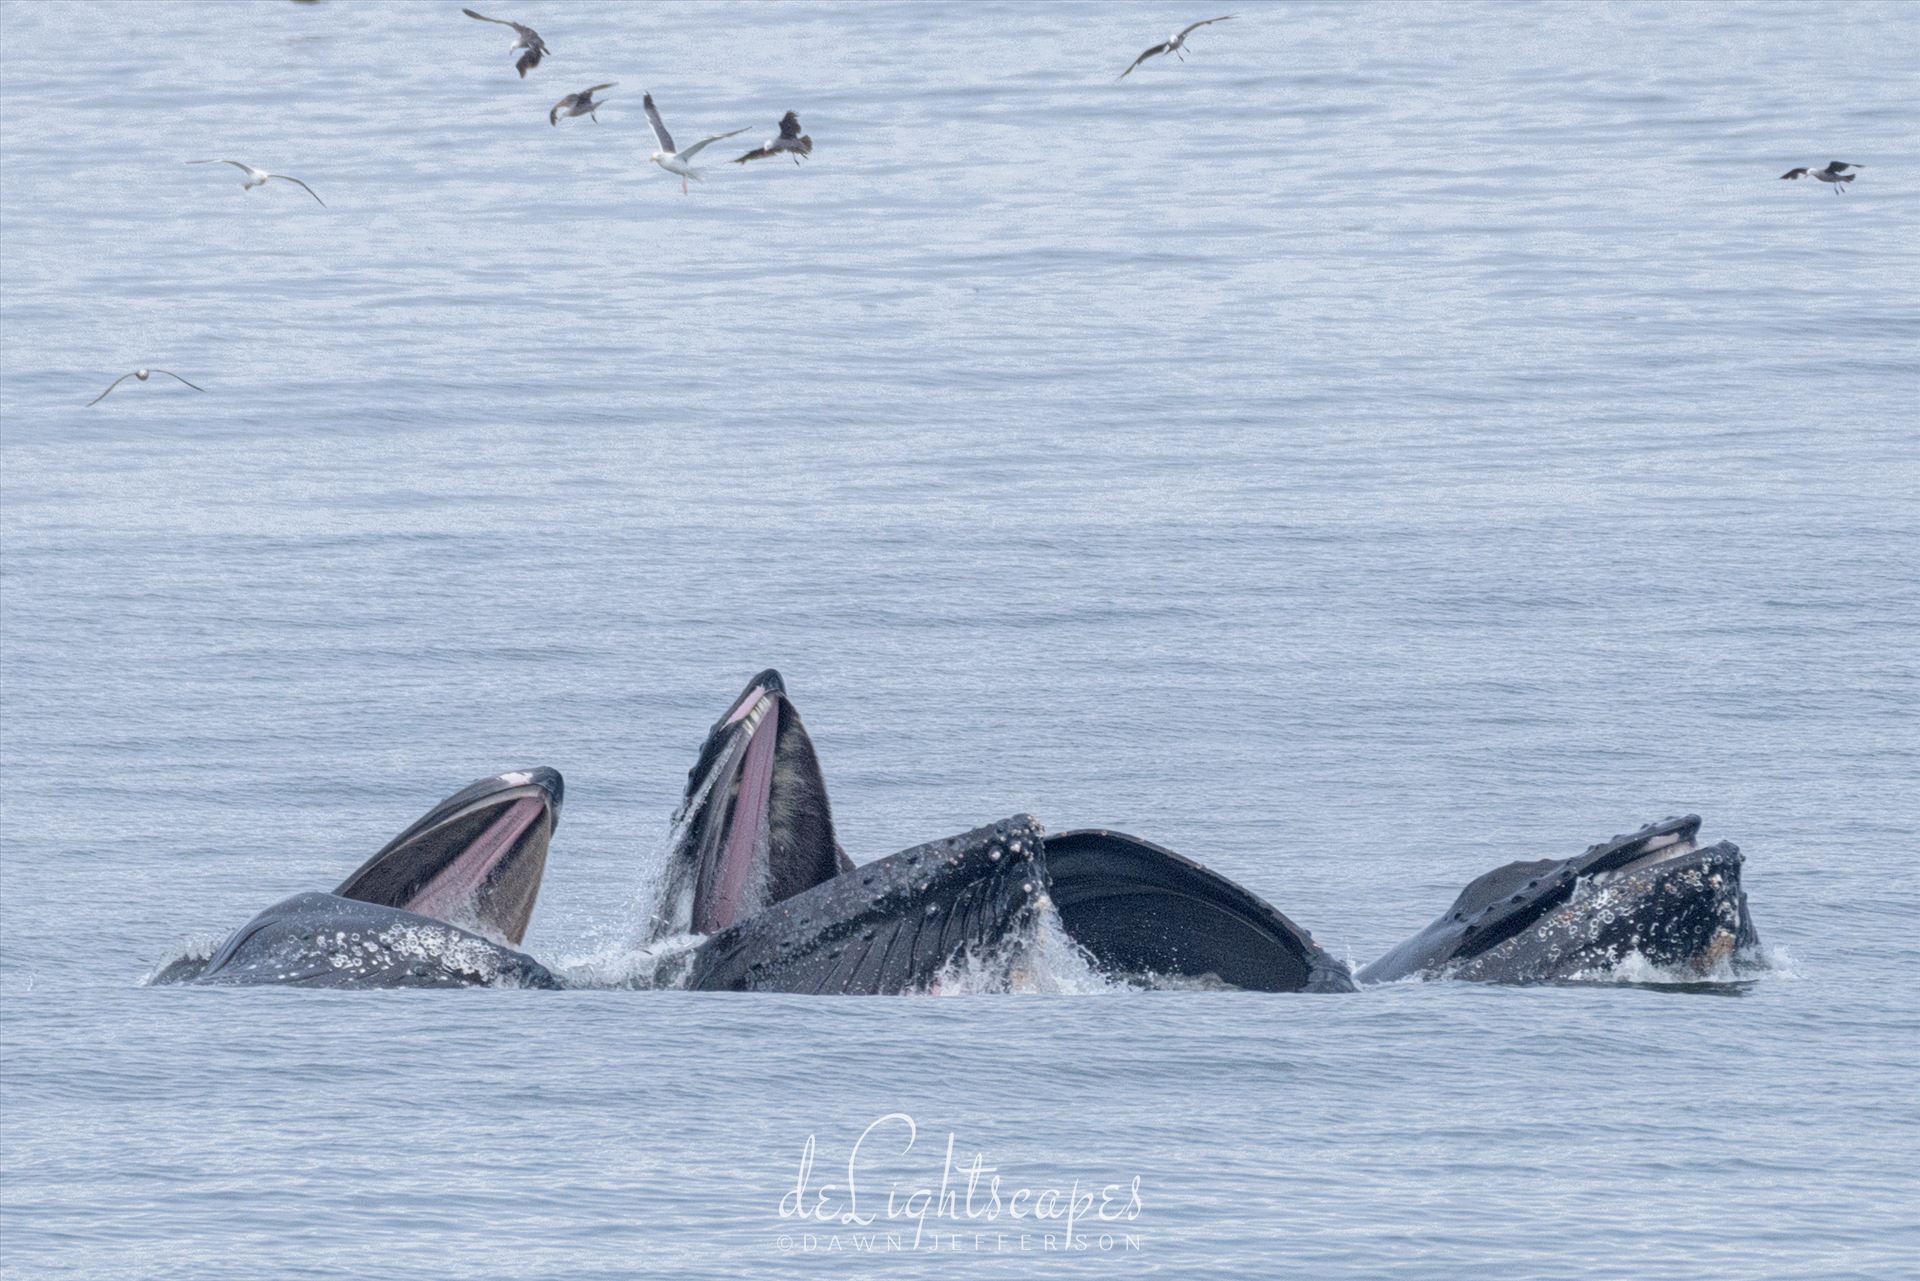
{"type": "Point", "coordinates": [790, 141]}
{"type": "Point", "coordinates": [142, 375]}
{"type": "Point", "coordinates": [578, 104]}
{"type": "Point", "coordinates": [669, 159]}
{"type": "Point", "coordinates": [1835, 173]}
{"type": "Point", "coordinates": [260, 178]}
{"type": "Point", "coordinates": [1174, 43]}
{"type": "Point", "coordinates": [528, 39]}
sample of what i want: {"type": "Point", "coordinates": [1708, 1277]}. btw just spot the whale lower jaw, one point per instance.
{"type": "Point", "coordinates": [324, 940]}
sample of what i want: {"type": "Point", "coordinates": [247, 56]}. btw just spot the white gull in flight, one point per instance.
{"type": "Point", "coordinates": [260, 178]}
{"type": "Point", "coordinates": [142, 375]}
{"type": "Point", "coordinates": [667, 158]}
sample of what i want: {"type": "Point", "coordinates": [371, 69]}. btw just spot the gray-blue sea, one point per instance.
{"type": "Point", "coordinates": [1396, 440]}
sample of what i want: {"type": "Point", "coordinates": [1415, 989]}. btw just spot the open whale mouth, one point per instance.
{"type": "Point", "coordinates": [755, 827]}
{"type": "Point", "coordinates": [474, 860]}
{"type": "Point", "coordinates": [740, 841]}
{"type": "Point", "coordinates": [1668, 841]}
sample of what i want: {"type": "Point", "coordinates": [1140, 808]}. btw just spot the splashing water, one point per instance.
{"type": "Point", "coordinates": [198, 947]}
{"type": "Point", "coordinates": [662, 904]}
{"type": "Point", "coordinates": [1040, 959]}
{"type": "Point", "coordinates": [659, 963]}
{"type": "Point", "coordinates": [1636, 968]}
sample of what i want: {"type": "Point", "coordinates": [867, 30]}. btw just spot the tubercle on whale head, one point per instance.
{"type": "Point", "coordinates": [475, 860]}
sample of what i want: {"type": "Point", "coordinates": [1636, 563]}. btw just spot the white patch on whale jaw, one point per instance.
{"type": "Point", "coordinates": [1661, 849]}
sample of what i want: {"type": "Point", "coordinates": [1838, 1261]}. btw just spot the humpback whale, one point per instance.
{"type": "Point", "coordinates": [436, 907]}
{"type": "Point", "coordinates": [754, 827]}
{"type": "Point", "coordinates": [890, 926]}
{"type": "Point", "coordinates": [755, 856]}
{"type": "Point", "coordinates": [1656, 893]}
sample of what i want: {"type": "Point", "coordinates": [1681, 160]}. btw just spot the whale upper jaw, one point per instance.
{"type": "Point", "coordinates": [475, 860]}
{"type": "Point", "coordinates": [755, 826]}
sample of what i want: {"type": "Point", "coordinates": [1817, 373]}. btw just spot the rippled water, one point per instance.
{"type": "Point", "coordinates": [1401, 439]}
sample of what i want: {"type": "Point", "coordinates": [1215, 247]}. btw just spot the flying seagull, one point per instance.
{"type": "Point", "coordinates": [260, 178]}
{"type": "Point", "coordinates": [578, 104]}
{"type": "Point", "coordinates": [791, 140]}
{"type": "Point", "coordinates": [669, 159]}
{"type": "Point", "coordinates": [1174, 43]}
{"type": "Point", "coordinates": [142, 375]}
{"type": "Point", "coordinates": [1835, 173]}
{"type": "Point", "coordinates": [530, 40]}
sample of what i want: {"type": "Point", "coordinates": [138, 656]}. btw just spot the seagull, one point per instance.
{"type": "Point", "coordinates": [259, 178]}
{"type": "Point", "coordinates": [142, 375]}
{"type": "Point", "coordinates": [578, 104]}
{"type": "Point", "coordinates": [669, 159]}
{"type": "Point", "coordinates": [1174, 43]}
{"type": "Point", "coordinates": [791, 140]}
{"type": "Point", "coordinates": [530, 40]}
{"type": "Point", "coordinates": [1835, 173]}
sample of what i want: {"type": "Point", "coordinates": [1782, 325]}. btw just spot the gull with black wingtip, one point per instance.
{"type": "Point", "coordinates": [578, 104]}
{"type": "Point", "coordinates": [790, 142]}
{"type": "Point", "coordinates": [673, 161]}
{"type": "Point", "coordinates": [1835, 173]}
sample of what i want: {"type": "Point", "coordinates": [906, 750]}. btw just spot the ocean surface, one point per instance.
{"type": "Point", "coordinates": [1398, 440]}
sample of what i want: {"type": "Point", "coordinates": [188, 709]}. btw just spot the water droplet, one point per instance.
{"type": "Point", "coordinates": [933, 909]}
{"type": "Point", "coordinates": [993, 856]}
